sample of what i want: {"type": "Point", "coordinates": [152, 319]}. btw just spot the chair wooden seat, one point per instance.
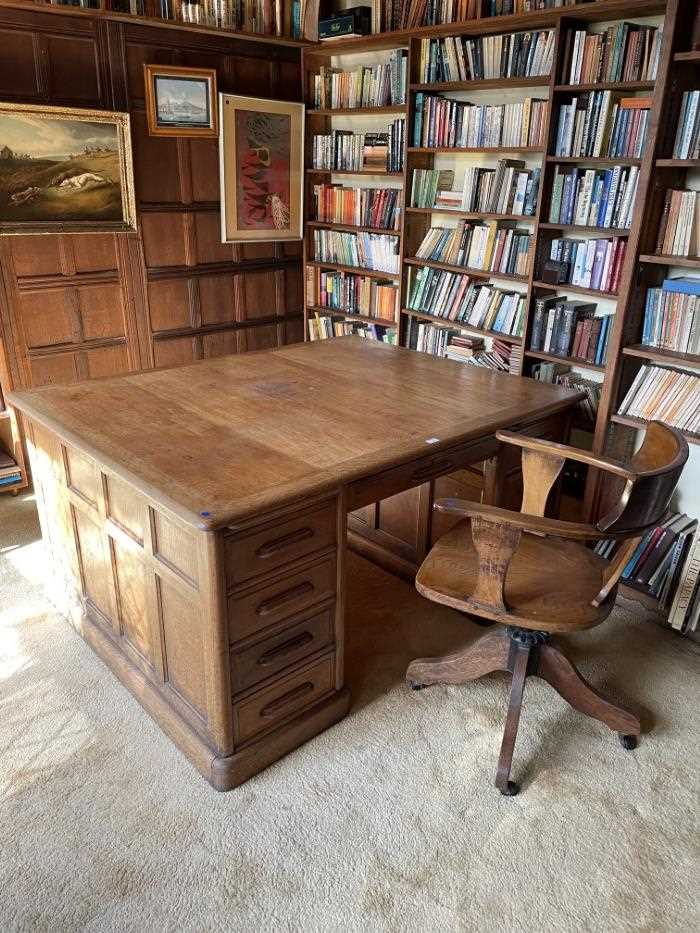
{"type": "Point", "coordinates": [550, 585]}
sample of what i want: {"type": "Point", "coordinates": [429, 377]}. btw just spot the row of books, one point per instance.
{"type": "Point", "coordinates": [672, 316]}
{"type": "Point", "coordinates": [594, 197]}
{"type": "Point", "coordinates": [623, 52]}
{"type": "Point", "coordinates": [510, 188]}
{"type": "Point", "coordinates": [561, 374]}
{"type": "Point", "coordinates": [322, 327]}
{"type": "Point", "coordinates": [455, 124]}
{"type": "Point", "coordinates": [407, 14]}
{"type": "Point", "coordinates": [598, 124]}
{"type": "Point", "coordinates": [362, 207]}
{"type": "Point", "coordinates": [570, 329]}
{"type": "Point", "coordinates": [346, 151]}
{"type": "Point", "coordinates": [378, 252]}
{"type": "Point", "coordinates": [588, 263]}
{"type": "Point", "coordinates": [455, 58]}
{"type": "Point", "coordinates": [358, 294]}
{"type": "Point", "coordinates": [261, 16]}
{"type": "Point", "coordinates": [687, 142]}
{"type": "Point", "coordinates": [679, 229]}
{"type": "Point", "coordinates": [493, 247]}
{"type": "Point", "coordinates": [664, 394]}
{"type": "Point", "coordinates": [366, 86]}
{"type": "Point", "coordinates": [455, 296]}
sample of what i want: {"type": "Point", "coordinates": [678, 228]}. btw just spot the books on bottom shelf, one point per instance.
{"type": "Point", "coordinates": [595, 264]}
{"type": "Point", "coordinates": [10, 473]}
{"type": "Point", "coordinates": [594, 197]}
{"type": "Point", "coordinates": [378, 252]}
{"type": "Point", "coordinates": [666, 565]}
{"type": "Point", "coordinates": [560, 374]}
{"type": "Point", "coordinates": [463, 348]}
{"type": "Point", "coordinates": [679, 228]}
{"type": "Point", "coordinates": [687, 142]}
{"type": "Point", "coordinates": [662, 393]}
{"type": "Point", "coordinates": [323, 328]}
{"type": "Point", "coordinates": [496, 246]}
{"type": "Point", "coordinates": [672, 316]}
{"type": "Point", "coordinates": [570, 329]}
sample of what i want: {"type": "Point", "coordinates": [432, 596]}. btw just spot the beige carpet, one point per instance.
{"type": "Point", "coordinates": [387, 822]}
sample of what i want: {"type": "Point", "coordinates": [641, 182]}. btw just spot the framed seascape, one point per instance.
{"type": "Point", "coordinates": [261, 162]}
{"type": "Point", "coordinates": [180, 101]}
{"type": "Point", "coordinates": [65, 170]}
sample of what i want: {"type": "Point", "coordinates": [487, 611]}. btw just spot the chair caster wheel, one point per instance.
{"type": "Point", "coordinates": [628, 742]}
{"type": "Point", "coordinates": [415, 685]}
{"type": "Point", "coordinates": [510, 790]}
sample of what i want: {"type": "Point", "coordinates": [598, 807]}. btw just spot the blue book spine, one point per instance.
{"type": "Point", "coordinates": [684, 286]}
{"type": "Point", "coordinates": [607, 178]}
{"type": "Point", "coordinates": [646, 330]}
{"type": "Point", "coordinates": [418, 125]}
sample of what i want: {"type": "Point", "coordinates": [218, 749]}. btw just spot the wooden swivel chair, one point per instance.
{"type": "Point", "coordinates": [536, 576]}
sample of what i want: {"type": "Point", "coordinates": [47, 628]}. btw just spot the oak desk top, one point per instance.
{"type": "Point", "coordinates": [221, 439]}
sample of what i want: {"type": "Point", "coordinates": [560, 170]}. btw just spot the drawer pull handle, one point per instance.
{"type": "Point", "coordinates": [276, 705]}
{"type": "Point", "coordinates": [426, 472]}
{"type": "Point", "coordinates": [276, 602]}
{"type": "Point", "coordinates": [286, 647]}
{"type": "Point", "coordinates": [279, 544]}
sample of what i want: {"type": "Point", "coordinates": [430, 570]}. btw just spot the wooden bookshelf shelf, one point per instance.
{"type": "Point", "coordinates": [640, 423]}
{"type": "Point", "coordinates": [469, 215]}
{"type": "Point", "coordinates": [605, 231]}
{"type": "Point", "coordinates": [662, 356]}
{"type": "Point", "coordinates": [350, 316]}
{"type": "Point", "coordinates": [678, 163]}
{"type": "Point", "coordinates": [360, 171]}
{"type": "Point", "coordinates": [686, 262]}
{"type": "Point", "coordinates": [349, 228]}
{"type": "Point", "coordinates": [456, 151]}
{"type": "Point", "coordinates": [482, 84]}
{"type": "Point", "coordinates": [570, 360]}
{"type": "Point", "coordinates": [575, 289]}
{"type": "Point", "coordinates": [591, 160]}
{"type": "Point", "coordinates": [356, 111]}
{"type": "Point", "coordinates": [461, 325]}
{"type": "Point", "coordinates": [605, 86]}
{"type": "Point", "coordinates": [357, 270]}
{"type": "Point", "coordinates": [465, 270]}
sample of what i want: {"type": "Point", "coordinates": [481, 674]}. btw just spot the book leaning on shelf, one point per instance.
{"type": "Point", "coordinates": [374, 251]}
{"type": "Point", "coordinates": [519, 54]}
{"type": "Point", "coordinates": [366, 86]}
{"type": "Point", "coordinates": [687, 142]}
{"type": "Point", "coordinates": [679, 229]}
{"type": "Point", "coordinates": [322, 327]}
{"type": "Point", "coordinates": [665, 394]}
{"type": "Point", "coordinates": [346, 151]}
{"type": "Point", "coordinates": [623, 52]}
{"type": "Point", "coordinates": [594, 197]}
{"type": "Point", "coordinates": [493, 247]}
{"type": "Point", "coordinates": [454, 124]}
{"type": "Point", "coordinates": [358, 294]}
{"type": "Point", "coordinates": [599, 124]}
{"type": "Point", "coordinates": [595, 264]}
{"type": "Point", "coordinates": [672, 316]}
{"type": "Point", "coordinates": [510, 188]}
{"type": "Point", "coordinates": [361, 207]}
{"type": "Point", "coordinates": [570, 329]}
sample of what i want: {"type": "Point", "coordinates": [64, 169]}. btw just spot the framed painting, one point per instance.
{"type": "Point", "coordinates": [261, 147]}
{"type": "Point", "coordinates": [180, 101]}
{"type": "Point", "coordinates": [65, 170]}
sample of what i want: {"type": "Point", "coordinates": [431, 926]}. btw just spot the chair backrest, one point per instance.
{"type": "Point", "coordinates": [656, 469]}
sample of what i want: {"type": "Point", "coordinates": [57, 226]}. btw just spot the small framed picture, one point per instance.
{"type": "Point", "coordinates": [180, 101]}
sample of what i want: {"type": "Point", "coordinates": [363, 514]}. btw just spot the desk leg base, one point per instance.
{"type": "Point", "coordinates": [229, 772]}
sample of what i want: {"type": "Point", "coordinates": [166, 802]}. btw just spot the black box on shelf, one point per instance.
{"type": "Point", "coordinates": [554, 272]}
{"type": "Point", "coordinates": [354, 22]}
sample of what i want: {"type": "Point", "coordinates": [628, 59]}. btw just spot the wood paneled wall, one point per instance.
{"type": "Point", "coordinates": [84, 306]}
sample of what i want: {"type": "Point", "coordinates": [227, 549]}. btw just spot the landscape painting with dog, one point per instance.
{"type": "Point", "coordinates": [64, 170]}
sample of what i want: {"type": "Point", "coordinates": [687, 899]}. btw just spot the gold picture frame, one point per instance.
{"type": "Point", "coordinates": [261, 160]}
{"type": "Point", "coordinates": [65, 170]}
{"type": "Point", "coordinates": [180, 101]}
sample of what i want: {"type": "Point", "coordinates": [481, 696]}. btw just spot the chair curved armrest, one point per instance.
{"type": "Point", "coordinates": [537, 444]}
{"type": "Point", "coordinates": [533, 523]}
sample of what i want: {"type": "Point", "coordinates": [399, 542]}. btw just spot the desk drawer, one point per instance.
{"type": "Point", "coordinates": [263, 550]}
{"type": "Point", "coordinates": [364, 491]}
{"type": "Point", "coordinates": [264, 709]}
{"type": "Point", "coordinates": [252, 612]}
{"type": "Point", "coordinates": [291, 645]}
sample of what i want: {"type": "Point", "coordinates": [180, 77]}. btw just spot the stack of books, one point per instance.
{"type": "Point", "coordinates": [679, 230]}
{"type": "Point", "coordinates": [10, 473]}
{"type": "Point", "coordinates": [322, 327]}
{"type": "Point", "coordinates": [594, 197]}
{"type": "Point", "coordinates": [660, 393]}
{"type": "Point", "coordinates": [624, 52]}
{"type": "Point", "coordinates": [376, 251]}
{"type": "Point", "coordinates": [570, 329]}
{"type": "Point", "coordinates": [362, 207]}
{"type": "Point", "coordinates": [672, 316]}
{"type": "Point", "coordinates": [455, 124]}
{"type": "Point", "coordinates": [365, 86]}
{"type": "Point", "coordinates": [514, 55]}
{"type": "Point", "coordinates": [561, 374]}
{"type": "Point", "coordinates": [493, 246]}
{"type": "Point", "coordinates": [462, 347]}
{"type": "Point", "coordinates": [687, 142]}
{"type": "Point", "coordinates": [595, 264]}
{"type": "Point", "coordinates": [358, 294]}
{"type": "Point", "coordinates": [345, 151]}
{"type": "Point", "coordinates": [599, 124]}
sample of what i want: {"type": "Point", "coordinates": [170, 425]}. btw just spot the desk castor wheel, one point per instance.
{"type": "Point", "coordinates": [628, 742]}
{"type": "Point", "coordinates": [510, 790]}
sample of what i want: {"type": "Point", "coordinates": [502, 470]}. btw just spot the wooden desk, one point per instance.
{"type": "Point", "coordinates": [197, 520]}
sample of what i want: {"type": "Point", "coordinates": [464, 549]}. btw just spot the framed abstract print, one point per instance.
{"type": "Point", "coordinates": [261, 146]}
{"type": "Point", "coordinates": [65, 170]}
{"type": "Point", "coordinates": [180, 101]}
